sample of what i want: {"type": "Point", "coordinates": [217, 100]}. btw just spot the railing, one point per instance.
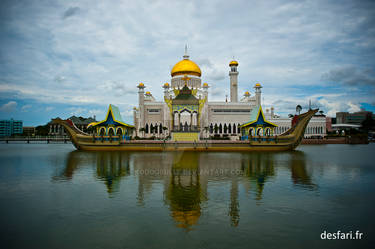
{"type": "Point", "coordinates": [186, 129]}
{"type": "Point", "coordinates": [46, 139]}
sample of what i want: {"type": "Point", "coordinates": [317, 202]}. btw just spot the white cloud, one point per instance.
{"type": "Point", "coordinates": [9, 107]}
{"type": "Point", "coordinates": [95, 53]}
{"type": "Point", "coordinates": [26, 108]}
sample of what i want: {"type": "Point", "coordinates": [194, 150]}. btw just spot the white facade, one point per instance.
{"type": "Point", "coordinates": [155, 118]}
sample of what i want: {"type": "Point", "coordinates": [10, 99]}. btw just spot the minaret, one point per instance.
{"type": "Point", "coordinates": [233, 75]}
{"type": "Point", "coordinates": [205, 90]}
{"type": "Point", "coordinates": [166, 89]}
{"type": "Point", "coordinates": [141, 100]}
{"type": "Point", "coordinates": [258, 94]}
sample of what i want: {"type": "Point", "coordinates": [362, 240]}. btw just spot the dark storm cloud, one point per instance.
{"type": "Point", "coordinates": [71, 12]}
{"type": "Point", "coordinates": [350, 76]}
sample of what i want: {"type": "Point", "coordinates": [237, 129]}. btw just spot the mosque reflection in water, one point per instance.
{"type": "Point", "coordinates": [186, 177]}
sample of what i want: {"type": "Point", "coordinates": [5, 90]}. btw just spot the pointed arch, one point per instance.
{"type": "Point", "coordinates": [119, 131]}
{"type": "Point", "coordinates": [102, 131]}
{"type": "Point", "coordinates": [111, 131]}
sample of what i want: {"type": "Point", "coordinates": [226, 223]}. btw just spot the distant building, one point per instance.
{"type": "Point", "coordinates": [10, 127]}
{"type": "Point", "coordinates": [80, 122]}
{"type": "Point", "coordinates": [355, 118]}
{"type": "Point", "coordinates": [329, 124]}
{"type": "Point", "coordinates": [28, 130]}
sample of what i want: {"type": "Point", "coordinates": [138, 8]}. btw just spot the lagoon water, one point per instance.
{"type": "Point", "coordinates": [52, 196]}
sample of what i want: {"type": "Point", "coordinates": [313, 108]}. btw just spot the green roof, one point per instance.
{"type": "Point", "coordinates": [185, 96]}
{"type": "Point", "coordinates": [113, 117]}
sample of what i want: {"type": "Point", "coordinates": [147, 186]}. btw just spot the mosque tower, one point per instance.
{"type": "Point", "coordinates": [258, 94]}
{"type": "Point", "coordinates": [233, 74]}
{"type": "Point", "coordinates": [141, 101]}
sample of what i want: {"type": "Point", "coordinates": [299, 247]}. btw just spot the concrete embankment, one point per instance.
{"type": "Point", "coordinates": [340, 140]}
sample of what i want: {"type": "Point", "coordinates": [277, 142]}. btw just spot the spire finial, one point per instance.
{"type": "Point", "coordinates": [186, 56]}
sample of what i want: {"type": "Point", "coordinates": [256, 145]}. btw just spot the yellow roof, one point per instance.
{"type": "Point", "coordinates": [205, 84]}
{"type": "Point", "coordinates": [148, 93]}
{"type": "Point", "coordinates": [141, 84]}
{"type": "Point", "coordinates": [166, 84]}
{"type": "Point", "coordinates": [186, 66]}
{"type": "Point", "coordinates": [257, 84]}
{"type": "Point", "coordinates": [233, 63]}
{"type": "Point", "coordinates": [247, 93]}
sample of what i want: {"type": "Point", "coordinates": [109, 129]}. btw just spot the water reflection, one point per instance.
{"type": "Point", "coordinates": [111, 168]}
{"type": "Point", "coordinates": [184, 192]}
{"type": "Point", "coordinates": [186, 176]}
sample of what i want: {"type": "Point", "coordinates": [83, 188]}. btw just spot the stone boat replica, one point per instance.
{"type": "Point", "coordinates": [250, 141]}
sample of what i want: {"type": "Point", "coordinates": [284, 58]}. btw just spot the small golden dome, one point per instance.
{"type": "Point", "coordinates": [166, 84]}
{"type": "Point", "coordinates": [258, 85]}
{"type": "Point", "coordinates": [148, 93]}
{"type": "Point", "coordinates": [233, 63]}
{"type": "Point", "coordinates": [141, 84]}
{"type": "Point", "coordinates": [247, 93]}
{"type": "Point", "coordinates": [205, 84]}
{"type": "Point", "coordinates": [186, 66]}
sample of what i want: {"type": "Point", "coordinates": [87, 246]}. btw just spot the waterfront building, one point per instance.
{"type": "Point", "coordinates": [112, 125]}
{"type": "Point", "coordinates": [355, 118]}
{"type": "Point", "coordinates": [186, 113]}
{"type": "Point", "coordinates": [80, 122]}
{"type": "Point", "coordinates": [10, 127]}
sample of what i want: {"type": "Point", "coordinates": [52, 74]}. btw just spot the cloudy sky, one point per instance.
{"type": "Point", "coordinates": [63, 58]}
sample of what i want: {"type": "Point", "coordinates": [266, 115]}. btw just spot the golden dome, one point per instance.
{"type": "Point", "coordinates": [247, 93]}
{"type": "Point", "coordinates": [141, 85]}
{"type": "Point", "coordinates": [166, 84]}
{"type": "Point", "coordinates": [186, 66]}
{"type": "Point", "coordinates": [233, 63]}
{"type": "Point", "coordinates": [148, 93]}
{"type": "Point", "coordinates": [205, 84]}
{"type": "Point", "coordinates": [258, 85]}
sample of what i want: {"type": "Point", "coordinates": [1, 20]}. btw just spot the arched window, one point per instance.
{"type": "Point", "coordinates": [225, 128]}
{"type": "Point", "coordinates": [234, 129]}
{"type": "Point", "coordinates": [220, 129]}
{"type": "Point", "coordinates": [160, 129]}
{"type": "Point", "coordinates": [229, 129]}
{"type": "Point", "coordinates": [216, 128]}
{"type": "Point", "coordinates": [238, 128]}
{"type": "Point", "coordinates": [251, 132]}
{"type": "Point", "coordinates": [268, 132]}
{"type": "Point", "coordinates": [119, 131]}
{"type": "Point", "coordinates": [111, 131]}
{"type": "Point", "coordinates": [146, 129]}
{"type": "Point", "coordinates": [211, 128]}
{"type": "Point", "coordinates": [102, 131]}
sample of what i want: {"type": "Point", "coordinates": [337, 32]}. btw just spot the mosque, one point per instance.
{"type": "Point", "coordinates": [186, 113]}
